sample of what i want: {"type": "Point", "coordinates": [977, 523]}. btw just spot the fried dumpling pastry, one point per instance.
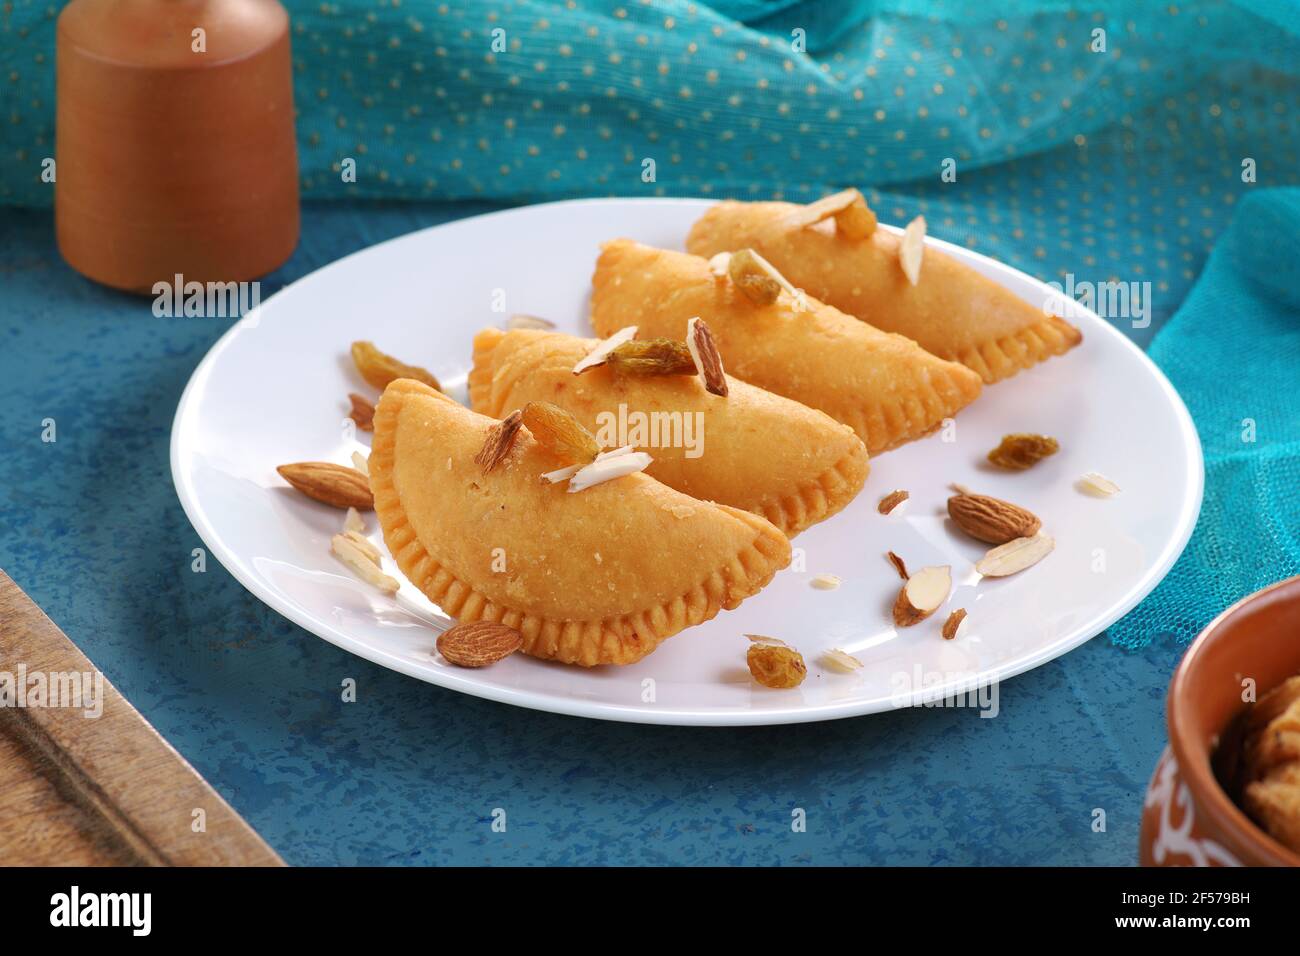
{"type": "Point", "coordinates": [749, 449]}
{"type": "Point", "coordinates": [601, 576]}
{"type": "Point", "coordinates": [950, 310]}
{"type": "Point", "coordinates": [885, 387]}
{"type": "Point", "coordinates": [1272, 763]}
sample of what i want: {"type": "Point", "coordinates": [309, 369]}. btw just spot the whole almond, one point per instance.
{"type": "Point", "coordinates": [332, 484]}
{"type": "Point", "coordinates": [478, 643]}
{"type": "Point", "coordinates": [992, 520]}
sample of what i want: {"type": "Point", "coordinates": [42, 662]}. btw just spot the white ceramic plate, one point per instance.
{"type": "Point", "coordinates": [273, 389]}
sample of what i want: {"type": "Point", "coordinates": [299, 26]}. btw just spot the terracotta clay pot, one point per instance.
{"type": "Point", "coordinates": [176, 150]}
{"type": "Point", "coordinates": [1188, 818]}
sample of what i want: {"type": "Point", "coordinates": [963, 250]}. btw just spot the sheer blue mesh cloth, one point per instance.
{"type": "Point", "coordinates": [1233, 353]}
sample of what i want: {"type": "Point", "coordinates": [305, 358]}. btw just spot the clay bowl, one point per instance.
{"type": "Point", "coordinates": [1188, 818]}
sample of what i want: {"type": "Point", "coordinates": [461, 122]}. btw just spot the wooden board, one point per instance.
{"type": "Point", "coordinates": [103, 790]}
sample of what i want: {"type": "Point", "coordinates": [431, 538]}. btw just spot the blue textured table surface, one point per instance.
{"type": "Point", "coordinates": [410, 773]}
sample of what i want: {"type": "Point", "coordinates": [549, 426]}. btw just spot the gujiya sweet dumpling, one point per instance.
{"type": "Point", "coordinates": [949, 309]}
{"type": "Point", "coordinates": [748, 448]}
{"type": "Point", "coordinates": [601, 576]}
{"type": "Point", "coordinates": [1272, 763]}
{"type": "Point", "coordinates": [885, 387]}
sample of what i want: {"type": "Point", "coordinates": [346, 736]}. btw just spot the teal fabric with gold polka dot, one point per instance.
{"type": "Point", "coordinates": [1104, 140]}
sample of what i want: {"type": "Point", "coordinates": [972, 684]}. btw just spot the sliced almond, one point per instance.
{"type": "Point", "coordinates": [354, 522]}
{"type": "Point", "coordinates": [922, 595]}
{"type": "Point", "coordinates": [1099, 486]}
{"type": "Point", "coordinates": [853, 219]}
{"type": "Point", "coordinates": [953, 626]}
{"type": "Point", "coordinates": [363, 412]}
{"type": "Point", "coordinates": [764, 639]}
{"type": "Point", "coordinates": [720, 264]}
{"type": "Point", "coordinates": [366, 546]}
{"type": "Point", "coordinates": [478, 643]}
{"type": "Point", "coordinates": [600, 354]}
{"type": "Point", "coordinates": [991, 520]}
{"type": "Point", "coordinates": [616, 452]}
{"type": "Point", "coordinates": [329, 483]}
{"type": "Point", "coordinates": [497, 444]}
{"type": "Point", "coordinates": [361, 463]}
{"type": "Point", "coordinates": [561, 474]}
{"type": "Point", "coordinates": [607, 469]}
{"type": "Point", "coordinates": [825, 582]}
{"type": "Point", "coordinates": [840, 661]}
{"type": "Point", "coordinates": [351, 554]}
{"type": "Point", "coordinates": [1015, 556]}
{"type": "Point", "coordinates": [911, 249]}
{"type": "Point", "coordinates": [898, 564]}
{"type": "Point", "coordinates": [704, 353]}
{"type": "Point", "coordinates": [892, 501]}
{"type": "Point", "coordinates": [528, 322]}
{"type": "Point", "coordinates": [757, 278]}
{"type": "Point", "coordinates": [822, 209]}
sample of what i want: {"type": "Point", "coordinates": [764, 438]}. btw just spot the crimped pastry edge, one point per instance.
{"type": "Point", "coordinates": [999, 359]}
{"type": "Point", "coordinates": [620, 640]}
{"type": "Point", "coordinates": [939, 391]}
{"type": "Point", "coordinates": [810, 503]}
{"type": "Point", "coordinates": [994, 359]}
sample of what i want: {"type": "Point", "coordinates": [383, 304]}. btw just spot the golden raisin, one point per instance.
{"type": "Point", "coordinates": [775, 665]}
{"type": "Point", "coordinates": [652, 357]}
{"type": "Point", "coordinates": [856, 221]}
{"type": "Point", "coordinates": [379, 369]}
{"type": "Point", "coordinates": [560, 433]}
{"type": "Point", "coordinates": [751, 278]}
{"type": "Point", "coordinates": [1020, 451]}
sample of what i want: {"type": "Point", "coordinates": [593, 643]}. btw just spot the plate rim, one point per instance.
{"type": "Point", "coordinates": [692, 717]}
